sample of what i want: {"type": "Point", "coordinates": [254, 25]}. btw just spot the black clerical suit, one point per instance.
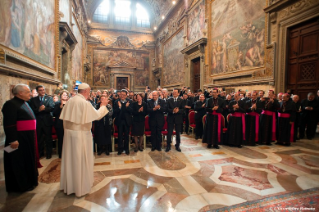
{"type": "Point", "coordinates": [156, 122]}
{"type": "Point", "coordinates": [174, 119]}
{"type": "Point", "coordinates": [235, 130]}
{"type": "Point", "coordinates": [252, 122]}
{"type": "Point", "coordinates": [267, 127]}
{"type": "Point", "coordinates": [123, 121]}
{"type": "Point", "coordinates": [286, 116]}
{"type": "Point", "coordinates": [200, 111]}
{"type": "Point", "coordinates": [309, 118]}
{"type": "Point", "coordinates": [213, 132]}
{"type": "Point", "coordinates": [44, 123]}
{"type": "Point", "coordinates": [20, 166]}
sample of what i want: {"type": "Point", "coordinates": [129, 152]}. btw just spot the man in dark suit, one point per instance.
{"type": "Point", "coordinates": [309, 109]}
{"type": "Point", "coordinates": [123, 121]}
{"type": "Point", "coordinates": [175, 108]}
{"type": "Point", "coordinates": [42, 106]}
{"type": "Point", "coordinates": [156, 108]}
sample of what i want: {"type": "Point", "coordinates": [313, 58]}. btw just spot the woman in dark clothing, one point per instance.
{"type": "Point", "coordinates": [139, 112]}
{"type": "Point", "coordinates": [103, 130]}
{"type": "Point", "coordinates": [58, 123]}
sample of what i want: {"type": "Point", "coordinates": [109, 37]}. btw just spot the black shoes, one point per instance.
{"type": "Point", "coordinates": [159, 149]}
{"type": "Point", "coordinates": [153, 149]}
{"type": "Point", "coordinates": [49, 156]}
{"type": "Point", "coordinates": [99, 153]}
{"type": "Point", "coordinates": [216, 146]}
{"type": "Point", "coordinates": [141, 149]}
{"type": "Point", "coordinates": [239, 146]}
{"type": "Point", "coordinates": [168, 148]}
{"type": "Point", "coordinates": [127, 152]}
{"type": "Point", "coordinates": [196, 137]}
{"type": "Point", "coordinates": [178, 149]}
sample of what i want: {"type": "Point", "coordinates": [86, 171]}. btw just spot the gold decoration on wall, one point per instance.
{"type": "Point", "coordinates": [2, 56]}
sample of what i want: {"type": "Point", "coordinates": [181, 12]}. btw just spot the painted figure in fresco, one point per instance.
{"type": "Point", "coordinates": [5, 22]}
{"type": "Point", "coordinates": [253, 57]}
{"type": "Point", "coordinates": [16, 25]}
{"type": "Point", "coordinates": [219, 59]}
{"type": "Point", "coordinates": [102, 77]}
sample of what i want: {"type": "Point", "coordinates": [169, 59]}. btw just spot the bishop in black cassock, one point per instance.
{"type": "Point", "coordinates": [213, 132]}
{"type": "Point", "coordinates": [236, 126]}
{"type": "Point", "coordinates": [267, 127]}
{"type": "Point", "coordinates": [253, 110]}
{"type": "Point", "coordinates": [20, 166]}
{"type": "Point", "coordinates": [286, 119]}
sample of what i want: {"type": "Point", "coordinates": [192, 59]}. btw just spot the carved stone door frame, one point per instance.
{"type": "Point", "coordinates": [196, 50]}
{"type": "Point", "coordinates": [284, 24]}
{"type": "Point", "coordinates": [119, 72]}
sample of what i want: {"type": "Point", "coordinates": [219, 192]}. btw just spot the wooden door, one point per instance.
{"type": "Point", "coordinates": [121, 83]}
{"type": "Point", "coordinates": [303, 58]}
{"type": "Point", "coordinates": [196, 74]}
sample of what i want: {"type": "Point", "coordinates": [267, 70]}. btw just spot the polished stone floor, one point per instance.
{"type": "Point", "coordinates": [196, 179]}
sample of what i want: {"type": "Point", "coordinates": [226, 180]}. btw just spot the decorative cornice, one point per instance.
{"type": "Point", "coordinates": [5, 70]}
{"type": "Point", "coordinates": [278, 5]}
{"type": "Point", "coordinates": [69, 37]}
{"type": "Point", "coordinates": [195, 46]}
{"type": "Point", "coordinates": [240, 83]}
{"type": "Point", "coordinates": [10, 54]}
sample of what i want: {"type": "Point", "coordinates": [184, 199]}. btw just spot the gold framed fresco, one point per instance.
{"type": "Point", "coordinates": [30, 32]}
{"type": "Point", "coordinates": [173, 72]}
{"type": "Point", "coordinates": [237, 36]}
{"type": "Point", "coordinates": [78, 52]}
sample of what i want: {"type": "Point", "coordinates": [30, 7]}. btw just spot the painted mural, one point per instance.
{"type": "Point", "coordinates": [28, 27]}
{"type": "Point", "coordinates": [237, 35]}
{"type": "Point", "coordinates": [103, 60]}
{"type": "Point", "coordinates": [196, 23]}
{"type": "Point", "coordinates": [173, 60]}
{"type": "Point", "coordinates": [64, 7]}
{"type": "Point", "coordinates": [109, 37]}
{"type": "Point", "coordinates": [77, 54]}
{"type": "Point", "coordinates": [142, 77]}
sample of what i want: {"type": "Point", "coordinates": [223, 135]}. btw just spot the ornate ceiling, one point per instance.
{"type": "Point", "coordinates": [158, 8]}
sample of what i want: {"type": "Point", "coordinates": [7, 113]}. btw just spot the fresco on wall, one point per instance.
{"type": "Point", "coordinates": [77, 54]}
{"type": "Point", "coordinates": [109, 37]}
{"type": "Point", "coordinates": [28, 27]}
{"type": "Point", "coordinates": [142, 77]}
{"type": "Point", "coordinates": [64, 7]}
{"type": "Point", "coordinates": [104, 60]}
{"type": "Point", "coordinates": [196, 23]}
{"type": "Point", "coordinates": [237, 36]}
{"type": "Point", "coordinates": [173, 60]}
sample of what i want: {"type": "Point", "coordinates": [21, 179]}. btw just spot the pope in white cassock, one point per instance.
{"type": "Point", "coordinates": [77, 155]}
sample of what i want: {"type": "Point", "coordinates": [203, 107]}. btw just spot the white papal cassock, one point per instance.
{"type": "Point", "coordinates": [77, 155]}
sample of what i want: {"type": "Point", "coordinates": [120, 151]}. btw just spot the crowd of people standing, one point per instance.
{"type": "Point", "coordinates": [234, 119]}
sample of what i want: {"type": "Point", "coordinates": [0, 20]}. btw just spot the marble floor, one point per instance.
{"type": "Point", "coordinates": [196, 179]}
